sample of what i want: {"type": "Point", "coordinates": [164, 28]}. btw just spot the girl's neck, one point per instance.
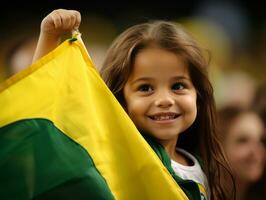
{"type": "Point", "coordinates": [170, 148]}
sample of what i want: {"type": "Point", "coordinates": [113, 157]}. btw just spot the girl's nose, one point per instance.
{"type": "Point", "coordinates": [164, 100]}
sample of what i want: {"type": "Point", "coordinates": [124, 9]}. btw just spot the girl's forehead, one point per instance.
{"type": "Point", "coordinates": [159, 62]}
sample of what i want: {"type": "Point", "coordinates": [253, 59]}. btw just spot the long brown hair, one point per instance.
{"type": "Point", "coordinates": [201, 138]}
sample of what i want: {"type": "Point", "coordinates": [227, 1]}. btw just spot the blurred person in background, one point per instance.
{"type": "Point", "coordinates": [258, 190]}
{"type": "Point", "coordinates": [242, 135]}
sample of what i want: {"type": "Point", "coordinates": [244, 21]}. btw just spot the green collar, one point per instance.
{"type": "Point", "coordinates": [190, 188]}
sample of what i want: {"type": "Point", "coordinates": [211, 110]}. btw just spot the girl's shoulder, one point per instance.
{"type": "Point", "coordinates": [191, 188]}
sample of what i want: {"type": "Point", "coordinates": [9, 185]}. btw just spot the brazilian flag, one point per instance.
{"type": "Point", "coordinates": [63, 135]}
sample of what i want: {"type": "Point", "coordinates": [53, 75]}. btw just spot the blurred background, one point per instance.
{"type": "Point", "coordinates": [233, 31]}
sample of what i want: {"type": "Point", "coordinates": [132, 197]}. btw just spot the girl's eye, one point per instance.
{"type": "Point", "coordinates": [178, 86]}
{"type": "Point", "coordinates": [145, 88]}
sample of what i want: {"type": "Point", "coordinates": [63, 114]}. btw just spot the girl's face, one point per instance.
{"type": "Point", "coordinates": [160, 97]}
{"type": "Point", "coordinates": [244, 147]}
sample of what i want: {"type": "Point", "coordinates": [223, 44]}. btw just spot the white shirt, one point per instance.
{"type": "Point", "coordinates": [193, 172]}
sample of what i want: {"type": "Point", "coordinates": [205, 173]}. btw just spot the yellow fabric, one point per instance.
{"type": "Point", "coordinates": [65, 88]}
{"type": "Point", "coordinates": [203, 191]}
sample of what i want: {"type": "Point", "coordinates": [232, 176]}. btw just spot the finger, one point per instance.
{"type": "Point", "coordinates": [57, 19]}
{"type": "Point", "coordinates": [67, 22]}
{"type": "Point", "coordinates": [69, 19]}
{"type": "Point", "coordinates": [72, 22]}
{"type": "Point", "coordinates": [77, 19]}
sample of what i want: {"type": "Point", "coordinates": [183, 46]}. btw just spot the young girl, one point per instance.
{"type": "Point", "coordinates": [158, 74]}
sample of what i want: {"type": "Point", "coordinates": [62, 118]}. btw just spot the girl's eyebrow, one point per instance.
{"type": "Point", "coordinates": [182, 78]}
{"type": "Point", "coordinates": [142, 79]}
{"type": "Point", "coordinates": [150, 79]}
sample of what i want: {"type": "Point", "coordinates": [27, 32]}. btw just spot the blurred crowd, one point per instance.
{"type": "Point", "coordinates": [237, 70]}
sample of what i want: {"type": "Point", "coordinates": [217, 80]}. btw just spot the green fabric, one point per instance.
{"type": "Point", "coordinates": [43, 163]}
{"type": "Point", "coordinates": [189, 187]}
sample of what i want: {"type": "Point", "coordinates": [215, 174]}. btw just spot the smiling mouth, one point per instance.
{"type": "Point", "coordinates": [164, 116]}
